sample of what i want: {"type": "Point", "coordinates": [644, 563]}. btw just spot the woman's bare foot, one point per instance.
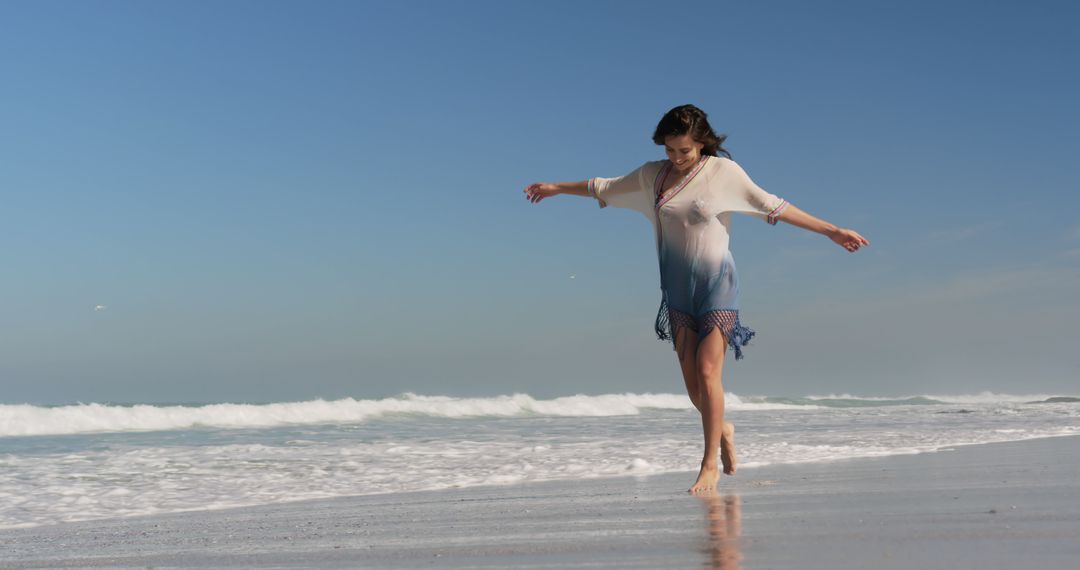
{"type": "Point", "coordinates": [727, 448]}
{"type": "Point", "coordinates": [706, 479]}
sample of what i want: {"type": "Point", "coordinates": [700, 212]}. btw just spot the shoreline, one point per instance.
{"type": "Point", "coordinates": [974, 505]}
{"type": "Point", "coordinates": [691, 474]}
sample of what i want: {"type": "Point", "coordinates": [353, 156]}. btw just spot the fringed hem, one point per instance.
{"type": "Point", "coordinates": [736, 335]}
{"type": "Point", "coordinates": [663, 323]}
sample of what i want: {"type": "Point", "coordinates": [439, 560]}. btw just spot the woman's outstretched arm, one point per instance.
{"type": "Point", "coordinates": [540, 190]}
{"type": "Point", "coordinates": [845, 238]}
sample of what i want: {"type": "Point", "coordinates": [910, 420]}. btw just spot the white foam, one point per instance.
{"type": "Point", "coordinates": [92, 478]}
{"type": "Point", "coordinates": [847, 396]}
{"type": "Point", "coordinates": [992, 398]}
{"type": "Point", "coordinates": [980, 398]}
{"type": "Point", "coordinates": [28, 420]}
{"type": "Point", "coordinates": [757, 403]}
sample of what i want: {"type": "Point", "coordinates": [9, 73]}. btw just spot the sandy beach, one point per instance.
{"type": "Point", "coordinates": [987, 506]}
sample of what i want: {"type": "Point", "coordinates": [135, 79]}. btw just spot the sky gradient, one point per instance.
{"type": "Point", "coordinates": [270, 201]}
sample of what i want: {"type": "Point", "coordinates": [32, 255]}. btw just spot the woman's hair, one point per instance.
{"type": "Point", "coordinates": [688, 119]}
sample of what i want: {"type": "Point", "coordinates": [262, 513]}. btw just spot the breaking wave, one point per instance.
{"type": "Point", "coordinates": [30, 420]}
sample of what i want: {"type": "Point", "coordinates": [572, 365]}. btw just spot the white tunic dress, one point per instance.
{"type": "Point", "coordinates": [692, 222]}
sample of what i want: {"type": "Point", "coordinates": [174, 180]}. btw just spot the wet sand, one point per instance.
{"type": "Point", "coordinates": [988, 506]}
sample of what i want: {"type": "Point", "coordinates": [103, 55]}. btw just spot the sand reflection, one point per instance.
{"type": "Point", "coordinates": [723, 515]}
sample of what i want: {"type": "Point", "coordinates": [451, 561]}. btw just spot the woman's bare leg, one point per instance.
{"type": "Point", "coordinates": [686, 350]}
{"type": "Point", "coordinates": [710, 366]}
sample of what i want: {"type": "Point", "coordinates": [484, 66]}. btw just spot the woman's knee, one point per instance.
{"type": "Point", "coordinates": [710, 357]}
{"type": "Point", "coordinates": [708, 387]}
{"type": "Point", "coordinates": [708, 371]}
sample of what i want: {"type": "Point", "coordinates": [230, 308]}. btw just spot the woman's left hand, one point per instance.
{"type": "Point", "coordinates": [848, 239]}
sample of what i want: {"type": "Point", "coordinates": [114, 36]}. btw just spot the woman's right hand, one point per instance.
{"type": "Point", "coordinates": [540, 190]}
{"type": "Point", "coordinates": [848, 239]}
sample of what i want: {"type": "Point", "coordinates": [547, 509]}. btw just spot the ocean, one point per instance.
{"type": "Point", "coordinates": [95, 461]}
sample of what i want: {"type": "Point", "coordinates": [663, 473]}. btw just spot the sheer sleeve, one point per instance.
{"type": "Point", "coordinates": [632, 191]}
{"type": "Point", "coordinates": [749, 198]}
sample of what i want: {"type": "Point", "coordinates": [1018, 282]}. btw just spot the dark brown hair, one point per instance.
{"type": "Point", "coordinates": [688, 119]}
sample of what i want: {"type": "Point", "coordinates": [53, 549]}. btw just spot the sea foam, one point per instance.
{"type": "Point", "coordinates": [321, 449]}
{"type": "Point", "coordinates": [30, 420]}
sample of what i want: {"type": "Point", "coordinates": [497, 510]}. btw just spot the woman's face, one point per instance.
{"type": "Point", "coordinates": [683, 152]}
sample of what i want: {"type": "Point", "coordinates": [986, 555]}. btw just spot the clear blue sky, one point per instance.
{"type": "Point", "coordinates": [289, 200]}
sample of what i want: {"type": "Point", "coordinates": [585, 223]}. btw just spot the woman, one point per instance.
{"type": "Point", "coordinates": [689, 198]}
